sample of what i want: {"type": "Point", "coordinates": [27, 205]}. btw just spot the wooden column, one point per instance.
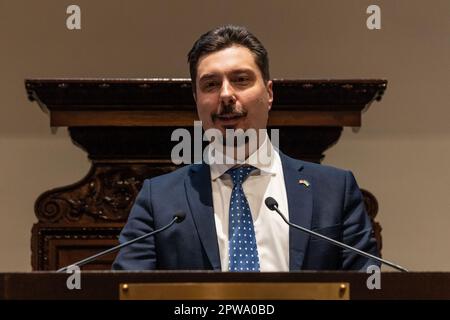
{"type": "Point", "coordinates": [125, 125]}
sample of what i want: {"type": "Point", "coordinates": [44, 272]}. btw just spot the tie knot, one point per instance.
{"type": "Point", "coordinates": [238, 174]}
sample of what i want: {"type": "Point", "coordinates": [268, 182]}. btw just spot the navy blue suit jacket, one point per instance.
{"type": "Point", "coordinates": [332, 205]}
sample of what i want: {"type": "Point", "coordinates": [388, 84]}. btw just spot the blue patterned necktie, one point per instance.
{"type": "Point", "coordinates": [243, 252]}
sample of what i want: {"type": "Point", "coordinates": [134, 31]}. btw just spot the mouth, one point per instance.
{"type": "Point", "coordinates": [228, 119]}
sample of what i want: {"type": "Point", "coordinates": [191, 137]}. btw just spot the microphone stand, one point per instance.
{"type": "Point", "coordinates": [273, 205]}
{"type": "Point", "coordinates": [177, 218]}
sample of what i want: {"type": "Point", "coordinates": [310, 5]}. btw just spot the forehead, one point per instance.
{"type": "Point", "coordinates": [227, 60]}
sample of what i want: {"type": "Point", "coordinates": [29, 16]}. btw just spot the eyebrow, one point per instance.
{"type": "Point", "coordinates": [214, 75]}
{"type": "Point", "coordinates": [207, 77]}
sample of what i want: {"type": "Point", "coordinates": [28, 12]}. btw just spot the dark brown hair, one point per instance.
{"type": "Point", "coordinates": [224, 37]}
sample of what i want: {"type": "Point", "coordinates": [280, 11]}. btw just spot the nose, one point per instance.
{"type": "Point", "coordinates": [227, 96]}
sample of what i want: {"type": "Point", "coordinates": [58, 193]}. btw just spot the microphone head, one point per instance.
{"type": "Point", "coordinates": [180, 215]}
{"type": "Point", "coordinates": [271, 203]}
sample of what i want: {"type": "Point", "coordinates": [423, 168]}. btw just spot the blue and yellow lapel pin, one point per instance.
{"type": "Point", "coordinates": [304, 182]}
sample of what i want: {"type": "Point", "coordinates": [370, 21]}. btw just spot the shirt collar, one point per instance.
{"type": "Point", "coordinates": [262, 159]}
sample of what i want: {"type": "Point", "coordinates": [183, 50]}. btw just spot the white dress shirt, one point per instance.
{"type": "Point", "coordinates": [272, 233]}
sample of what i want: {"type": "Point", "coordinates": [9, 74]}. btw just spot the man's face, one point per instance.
{"type": "Point", "coordinates": [231, 93]}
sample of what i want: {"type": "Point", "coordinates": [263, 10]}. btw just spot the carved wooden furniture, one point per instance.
{"type": "Point", "coordinates": [125, 126]}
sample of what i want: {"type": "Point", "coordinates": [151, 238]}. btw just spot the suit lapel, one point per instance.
{"type": "Point", "coordinates": [300, 208]}
{"type": "Point", "coordinates": [199, 195]}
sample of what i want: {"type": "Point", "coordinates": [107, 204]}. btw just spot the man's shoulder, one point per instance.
{"type": "Point", "coordinates": [312, 168]}
{"type": "Point", "coordinates": [327, 180]}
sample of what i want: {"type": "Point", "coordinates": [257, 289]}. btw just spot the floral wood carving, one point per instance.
{"type": "Point", "coordinates": [106, 194]}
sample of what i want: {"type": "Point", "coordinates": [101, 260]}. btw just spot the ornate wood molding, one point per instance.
{"type": "Point", "coordinates": [106, 194]}
{"type": "Point", "coordinates": [57, 245]}
{"type": "Point", "coordinates": [140, 102]}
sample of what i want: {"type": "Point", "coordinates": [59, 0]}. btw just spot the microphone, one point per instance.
{"type": "Point", "coordinates": [177, 218]}
{"type": "Point", "coordinates": [272, 204]}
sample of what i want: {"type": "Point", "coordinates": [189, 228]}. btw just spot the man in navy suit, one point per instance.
{"type": "Point", "coordinates": [232, 89]}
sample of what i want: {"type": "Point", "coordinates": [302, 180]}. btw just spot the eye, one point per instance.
{"type": "Point", "coordinates": [242, 79]}
{"type": "Point", "coordinates": [211, 84]}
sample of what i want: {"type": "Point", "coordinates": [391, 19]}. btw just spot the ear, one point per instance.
{"type": "Point", "coordinates": [269, 88]}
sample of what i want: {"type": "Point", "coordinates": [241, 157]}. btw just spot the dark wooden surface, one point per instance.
{"type": "Point", "coordinates": [125, 127]}
{"type": "Point", "coordinates": [139, 102]}
{"type": "Point", "coordinates": [105, 285]}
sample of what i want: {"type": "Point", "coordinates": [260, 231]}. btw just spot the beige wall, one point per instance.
{"type": "Point", "coordinates": [401, 153]}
